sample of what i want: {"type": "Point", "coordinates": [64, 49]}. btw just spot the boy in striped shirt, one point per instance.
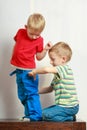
{"type": "Point", "coordinates": [66, 100]}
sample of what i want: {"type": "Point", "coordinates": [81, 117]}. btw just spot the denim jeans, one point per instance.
{"type": "Point", "coordinates": [27, 89]}
{"type": "Point", "coordinates": [59, 113]}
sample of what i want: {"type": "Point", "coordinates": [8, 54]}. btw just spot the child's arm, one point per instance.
{"type": "Point", "coordinates": [45, 90]}
{"type": "Point", "coordinates": [43, 70]}
{"type": "Point", "coordinates": [41, 55]}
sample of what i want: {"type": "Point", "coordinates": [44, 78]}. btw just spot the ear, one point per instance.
{"type": "Point", "coordinates": [25, 26]}
{"type": "Point", "coordinates": [64, 59]}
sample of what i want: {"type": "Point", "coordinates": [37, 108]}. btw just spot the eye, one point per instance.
{"type": "Point", "coordinates": [52, 59]}
{"type": "Point", "coordinates": [32, 34]}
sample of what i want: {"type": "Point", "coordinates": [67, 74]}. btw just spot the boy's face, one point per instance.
{"type": "Point", "coordinates": [32, 34]}
{"type": "Point", "coordinates": [56, 60]}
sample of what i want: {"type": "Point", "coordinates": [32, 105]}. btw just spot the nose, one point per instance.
{"type": "Point", "coordinates": [51, 62]}
{"type": "Point", "coordinates": [34, 37]}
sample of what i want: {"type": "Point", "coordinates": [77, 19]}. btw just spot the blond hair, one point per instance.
{"type": "Point", "coordinates": [36, 22]}
{"type": "Point", "coordinates": [62, 49]}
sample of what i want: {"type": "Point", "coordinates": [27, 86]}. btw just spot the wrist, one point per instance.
{"type": "Point", "coordinates": [34, 72]}
{"type": "Point", "coordinates": [45, 49]}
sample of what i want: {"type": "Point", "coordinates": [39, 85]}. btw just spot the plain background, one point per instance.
{"type": "Point", "coordinates": [66, 20]}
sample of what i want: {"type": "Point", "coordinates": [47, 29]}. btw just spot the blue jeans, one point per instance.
{"type": "Point", "coordinates": [59, 114]}
{"type": "Point", "coordinates": [27, 89]}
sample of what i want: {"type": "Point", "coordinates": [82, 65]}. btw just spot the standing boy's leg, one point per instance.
{"type": "Point", "coordinates": [32, 102]}
{"type": "Point", "coordinates": [20, 86]}
{"type": "Point", "coordinates": [28, 95]}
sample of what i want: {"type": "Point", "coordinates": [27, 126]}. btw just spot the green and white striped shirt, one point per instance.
{"type": "Point", "coordinates": [64, 87]}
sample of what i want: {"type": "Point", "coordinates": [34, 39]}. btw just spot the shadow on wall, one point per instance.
{"type": "Point", "coordinates": [8, 101]}
{"type": "Point", "coordinates": [46, 99]}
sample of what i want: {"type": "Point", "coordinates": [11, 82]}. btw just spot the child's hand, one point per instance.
{"type": "Point", "coordinates": [48, 46]}
{"type": "Point", "coordinates": [32, 74]}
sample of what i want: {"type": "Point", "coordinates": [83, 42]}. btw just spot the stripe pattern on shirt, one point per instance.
{"type": "Point", "coordinates": [64, 86]}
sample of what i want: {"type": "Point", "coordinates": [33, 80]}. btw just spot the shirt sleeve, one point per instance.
{"type": "Point", "coordinates": [39, 47]}
{"type": "Point", "coordinates": [60, 70]}
{"type": "Point", "coordinates": [17, 34]}
{"type": "Point", "coordinates": [57, 78]}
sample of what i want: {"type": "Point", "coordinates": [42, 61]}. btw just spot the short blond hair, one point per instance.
{"type": "Point", "coordinates": [62, 49]}
{"type": "Point", "coordinates": [36, 22]}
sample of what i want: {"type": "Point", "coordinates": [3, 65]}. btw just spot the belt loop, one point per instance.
{"type": "Point", "coordinates": [12, 73]}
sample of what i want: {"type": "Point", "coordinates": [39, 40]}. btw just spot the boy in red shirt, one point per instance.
{"type": "Point", "coordinates": [28, 44]}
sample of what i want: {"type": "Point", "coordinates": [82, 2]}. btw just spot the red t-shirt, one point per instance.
{"type": "Point", "coordinates": [25, 50]}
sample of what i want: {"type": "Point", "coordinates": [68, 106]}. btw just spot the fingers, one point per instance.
{"type": "Point", "coordinates": [49, 44]}
{"type": "Point", "coordinates": [31, 74]}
